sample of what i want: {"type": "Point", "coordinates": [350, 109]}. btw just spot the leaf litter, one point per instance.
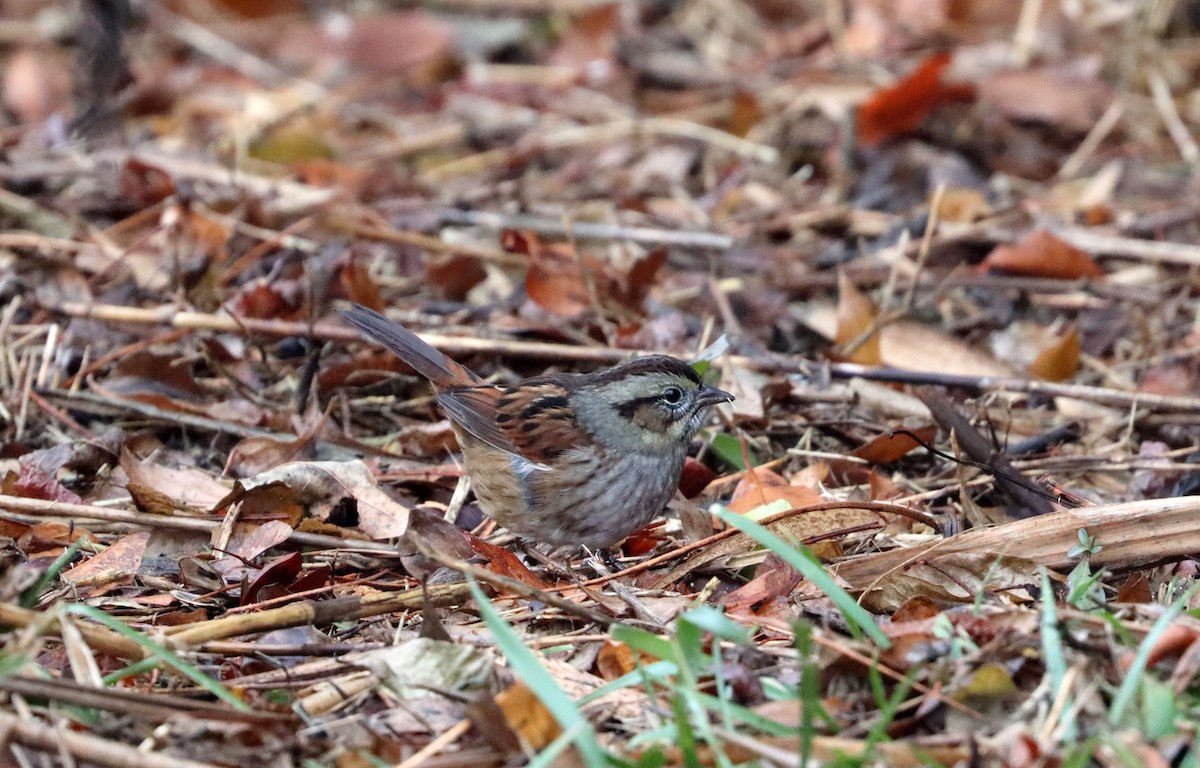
{"type": "Point", "coordinates": [951, 247]}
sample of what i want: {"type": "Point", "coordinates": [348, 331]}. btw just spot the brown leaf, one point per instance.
{"type": "Point", "coordinates": [324, 486]}
{"type": "Point", "coordinates": [402, 42]}
{"type": "Point", "coordinates": [1070, 97]}
{"type": "Point", "coordinates": [1135, 589]}
{"type": "Point", "coordinates": [747, 112]}
{"type": "Point", "coordinates": [892, 446]}
{"type": "Point", "coordinates": [250, 541]}
{"type": "Point", "coordinates": [528, 716]}
{"type": "Point", "coordinates": [1060, 360]}
{"type": "Point", "coordinates": [589, 40]}
{"type": "Point", "coordinates": [32, 483]}
{"type": "Point", "coordinates": [187, 487]}
{"type": "Point", "coordinates": [151, 500]}
{"type": "Point", "coordinates": [774, 578]}
{"type": "Point", "coordinates": [454, 275]}
{"type": "Point", "coordinates": [145, 184]}
{"type": "Point", "coordinates": [695, 477]}
{"type": "Point", "coordinates": [358, 284]}
{"type": "Point", "coordinates": [1041, 254]}
{"type": "Point", "coordinates": [121, 560]}
{"type": "Point", "coordinates": [505, 563]}
{"type": "Point", "coordinates": [615, 659]}
{"type": "Point", "coordinates": [280, 571]}
{"type": "Point", "coordinates": [761, 487]}
{"type": "Point", "coordinates": [856, 314]}
{"type": "Point", "coordinates": [962, 205]}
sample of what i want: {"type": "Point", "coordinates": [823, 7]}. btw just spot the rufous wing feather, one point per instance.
{"type": "Point", "coordinates": [537, 417]}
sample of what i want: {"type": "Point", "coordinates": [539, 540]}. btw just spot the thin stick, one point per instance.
{"type": "Point", "coordinates": [586, 230]}
{"type": "Point", "coordinates": [768, 363]}
{"type": "Point", "coordinates": [86, 746]}
{"type": "Point", "coordinates": [613, 131]}
{"type": "Point", "coordinates": [445, 739]}
{"type": "Point", "coordinates": [1092, 141]}
{"type": "Point", "coordinates": [1165, 103]}
{"type": "Point", "coordinates": [57, 509]}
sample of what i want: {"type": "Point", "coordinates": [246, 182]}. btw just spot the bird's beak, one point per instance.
{"type": "Point", "coordinates": [711, 396]}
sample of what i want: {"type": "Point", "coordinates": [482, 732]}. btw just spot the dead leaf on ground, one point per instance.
{"type": "Point", "coordinates": [856, 315]}
{"type": "Point", "coordinates": [322, 485]}
{"type": "Point", "coordinates": [902, 107]}
{"type": "Point", "coordinates": [1041, 254]}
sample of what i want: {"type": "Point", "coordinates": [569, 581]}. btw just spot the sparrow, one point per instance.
{"type": "Point", "coordinates": [565, 459]}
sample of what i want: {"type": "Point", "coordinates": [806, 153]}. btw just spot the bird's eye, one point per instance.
{"type": "Point", "coordinates": [672, 395]}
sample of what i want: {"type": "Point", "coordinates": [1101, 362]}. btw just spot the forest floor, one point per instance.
{"type": "Point", "coordinates": [945, 255]}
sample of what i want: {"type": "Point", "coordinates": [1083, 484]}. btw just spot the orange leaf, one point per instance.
{"type": "Point", "coordinates": [614, 660]}
{"type": "Point", "coordinates": [1060, 360]}
{"type": "Point", "coordinates": [901, 108]}
{"type": "Point", "coordinates": [762, 486]}
{"type": "Point", "coordinates": [528, 716]}
{"type": "Point", "coordinates": [856, 314]}
{"type": "Point", "coordinates": [1041, 254]}
{"type": "Point", "coordinates": [891, 446]}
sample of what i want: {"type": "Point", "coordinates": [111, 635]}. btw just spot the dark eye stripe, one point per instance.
{"type": "Point", "coordinates": [628, 408]}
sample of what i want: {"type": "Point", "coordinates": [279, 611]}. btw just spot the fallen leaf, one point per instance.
{"type": "Point", "coordinates": [902, 107]}
{"type": "Point", "coordinates": [1041, 254]}
{"type": "Point", "coordinates": [121, 560]}
{"type": "Point", "coordinates": [322, 485]}
{"type": "Point", "coordinates": [1059, 360]}
{"type": "Point", "coordinates": [856, 315]}
{"type": "Point", "coordinates": [528, 716]}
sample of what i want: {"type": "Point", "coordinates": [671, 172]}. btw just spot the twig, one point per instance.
{"type": "Point", "coordinates": [1027, 32]}
{"type": "Point", "coordinates": [1165, 103]}
{"type": "Point", "coordinates": [613, 131]}
{"type": "Point", "coordinates": [768, 363]}
{"type": "Point", "coordinates": [525, 590]}
{"type": "Point", "coordinates": [154, 707]}
{"type": "Point", "coordinates": [427, 242]}
{"type": "Point", "coordinates": [585, 230]}
{"type": "Point", "coordinates": [1092, 141]}
{"type": "Point", "coordinates": [224, 52]}
{"type": "Point", "coordinates": [98, 404]}
{"type": "Point", "coordinates": [1132, 533]}
{"type": "Point", "coordinates": [57, 509]}
{"type": "Point", "coordinates": [1100, 244]}
{"type": "Point", "coordinates": [85, 746]}
{"type": "Point", "coordinates": [443, 740]}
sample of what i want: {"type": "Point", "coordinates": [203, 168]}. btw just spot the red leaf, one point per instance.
{"type": "Point", "coordinates": [1041, 254]}
{"type": "Point", "coordinates": [902, 107]}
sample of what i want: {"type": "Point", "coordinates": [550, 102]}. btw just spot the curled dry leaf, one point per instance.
{"type": "Point", "coordinates": [1059, 360]}
{"type": "Point", "coordinates": [185, 486]}
{"type": "Point", "coordinates": [1071, 98]}
{"type": "Point", "coordinates": [118, 562]}
{"type": "Point", "coordinates": [1041, 254]}
{"type": "Point", "coordinates": [323, 485]}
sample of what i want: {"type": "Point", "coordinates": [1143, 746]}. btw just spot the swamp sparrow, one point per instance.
{"type": "Point", "coordinates": [566, 458]}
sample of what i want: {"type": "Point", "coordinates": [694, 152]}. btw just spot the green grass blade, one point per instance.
{"type": "Point", "coordinates": [1129, 686]}
{"type": "Point", "coordinates": [159, 651]}
{"type": "Point", "coordinates": [860, 621]}
{"type": "Point", "coordinates": [30, 596]}
{"type": "Point", "coordinates": [540, 681]}
{"type": "Point", "coordinates": [1052, 643]}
